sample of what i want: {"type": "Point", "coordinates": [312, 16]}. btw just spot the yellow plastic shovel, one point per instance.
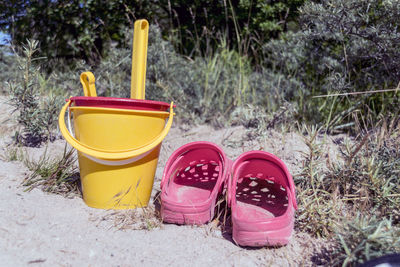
{"type": "Point", "coordinates": [139, 58]}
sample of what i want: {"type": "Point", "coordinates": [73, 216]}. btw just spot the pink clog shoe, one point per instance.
{"type": "Point", "coordinates": [193, 177]}
{"type": "Point", "coordinates": [262, 197]}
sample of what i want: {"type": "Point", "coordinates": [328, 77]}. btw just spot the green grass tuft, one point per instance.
{"type": "Point", "coordinates": [58, 176]}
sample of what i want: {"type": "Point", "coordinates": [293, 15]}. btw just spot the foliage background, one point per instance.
{"type": "Point", "coordinates": [256, 63]}
{"type": "Point", "coordinates": [216, 56]}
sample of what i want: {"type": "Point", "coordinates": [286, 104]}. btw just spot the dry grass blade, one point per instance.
{"type": "Point", "coordinates": [139, 218]}
{"type": "Point", "coordinates": [221, 217]}
{"type": "Point", "coordinates": [145, 218]}
{"type": "Point", "coordinates": [360, 145]}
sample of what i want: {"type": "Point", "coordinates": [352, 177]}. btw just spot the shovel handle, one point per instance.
{"type": "Point", "coordinates": [139, 59]}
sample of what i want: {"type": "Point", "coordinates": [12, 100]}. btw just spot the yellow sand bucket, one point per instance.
{"type": "Point", "coordinates": [118, 142]}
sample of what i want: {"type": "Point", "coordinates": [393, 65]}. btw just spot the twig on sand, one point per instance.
{"type": "Point", "coordinates": [36, 261]}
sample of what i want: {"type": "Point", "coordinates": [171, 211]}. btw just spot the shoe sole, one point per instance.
{"type": "Point", "coordinates": [192, 218]}
{"type": "Point", "coordinates": [277, 237]}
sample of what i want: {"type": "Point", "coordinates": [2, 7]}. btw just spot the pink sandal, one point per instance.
{"type": "Point", "coordinates": [263, 201]}
{"type": "Point", "coordinates": [193, 177]}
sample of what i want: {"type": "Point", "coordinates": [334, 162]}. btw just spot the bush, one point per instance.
{"type": "Point", "coordinates": [72, 29]}
{"type": "Point", "coordinates": [197, 28]}
{"type": "Point", "coordinates": [76, 29]}
{"type": "Point", "coordinates": [343, 46]}
{"type": "Point", "coordinates": [36, 115]}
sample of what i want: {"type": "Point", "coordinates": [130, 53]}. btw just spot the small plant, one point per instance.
{"type": "Point", "coordinates": [58, 176]}
{"type": "Point", "coordinates": [36, 115]}
{"type": "Point", "coordinates": [319, 209]}
{"type": "Point", "coordinates": [368, 178]}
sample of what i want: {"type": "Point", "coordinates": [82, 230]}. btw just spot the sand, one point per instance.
{"type": "Point", "coordinates": [42, 229]}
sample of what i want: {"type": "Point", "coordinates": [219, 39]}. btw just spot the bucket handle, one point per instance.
{"type": "Point", "coordinates": [88, 83]}
{"type": "Point", "coordinates": [108, 157]}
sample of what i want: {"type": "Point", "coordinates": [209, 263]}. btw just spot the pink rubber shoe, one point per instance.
{"type": "Point", "coordinates": [262, 197]}
{"type": "Point", "coordinates": [193, 177]}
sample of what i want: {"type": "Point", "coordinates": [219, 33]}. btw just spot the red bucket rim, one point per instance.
{"type": "Point", "coordinates": [121, 103]}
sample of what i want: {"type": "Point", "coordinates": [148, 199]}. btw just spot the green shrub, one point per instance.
{"type": "Point", "coordinates": [36, 115]}
{"type": "Point", "coordinates": [197, 28]}
{"type": "Point", "coordinates": [72, 29]}
{"type": "Point", "coordinates": [76, 29]}
{"type": "Point", "coordinates": [343, 46]}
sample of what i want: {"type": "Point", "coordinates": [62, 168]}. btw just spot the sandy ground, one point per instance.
{"type": "Point", "coordinates": [41, 229]}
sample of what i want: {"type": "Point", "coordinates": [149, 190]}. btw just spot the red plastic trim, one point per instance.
{"type": "Point", "coordinates": [122, 103]}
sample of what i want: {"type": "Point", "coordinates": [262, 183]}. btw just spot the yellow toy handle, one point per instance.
{"type": "Point", "coordinates": [139, 58]}
{"type": "Point", "coordinates": [87, 81]}
{"type": "Point", "coordinates": [112, 155]}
